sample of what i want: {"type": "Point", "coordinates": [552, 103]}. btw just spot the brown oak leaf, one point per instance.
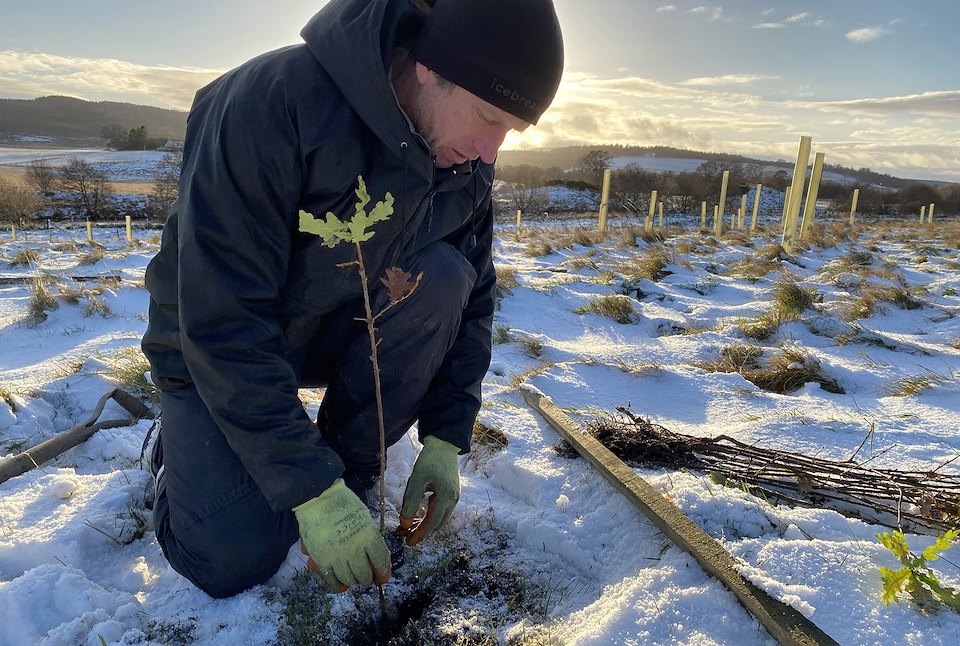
{"type": "Point", "coordinates": [398, 283]}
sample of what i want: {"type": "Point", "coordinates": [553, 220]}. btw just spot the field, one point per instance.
{"type": "Point", "coordinates": [855, 335]}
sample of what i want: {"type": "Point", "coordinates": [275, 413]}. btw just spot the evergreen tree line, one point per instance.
{"type": "Point", "coordinates": [138, 138]}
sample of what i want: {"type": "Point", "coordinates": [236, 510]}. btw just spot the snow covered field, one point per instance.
{"type": "Point", "coordinates": [541, 549]}
{"type": "Point", "coordinates": [119, 165]}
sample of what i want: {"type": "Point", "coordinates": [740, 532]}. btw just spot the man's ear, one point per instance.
{"type": "Point", "coordinates": [424, 73]}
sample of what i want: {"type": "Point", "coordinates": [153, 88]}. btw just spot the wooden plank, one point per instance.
{"type": "Point", "coordinates": [785, 624]}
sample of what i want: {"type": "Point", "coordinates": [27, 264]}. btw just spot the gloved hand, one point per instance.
{"type": "Point", "coordinates": [435, 470]}
{"type": "Point", "coordinates": [342, 540]}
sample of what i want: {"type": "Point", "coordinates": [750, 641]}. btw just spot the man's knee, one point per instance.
{"type": "Point", "coordinates": [240, 546]}
{"type": "Point", "coordinates": [224, 563]}
{"type": "Point", "coordinates": [447, 279]}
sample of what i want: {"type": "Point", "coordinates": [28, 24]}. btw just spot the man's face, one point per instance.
{"type": "Point", "coordinates": [457, 125]}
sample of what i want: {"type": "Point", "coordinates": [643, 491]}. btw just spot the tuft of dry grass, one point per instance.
{"type": "Point", "coordinates": [506, 281]}
{"type": "Point", "coordinates": [615, 306]}
{"type": "Point", "coordinates": [25, 257]}
{"type": "Point", "coordinates": [531, 347]}
{"type": "Point", "coordinates": [93, 255]}
{"type": "Point", "coordinates": [914, 385]}
{"type": "Point", "coordinates": [489, 439]}
{"type": "Point", "coordinates": [41, 302]}
{"type": "Point", "coordinates": [790, 299]}
{"type": "Point", "coordinates": [539, 249]}
{"type": "Point", "coordinates": [654, 236]}
{"type": "Point", "coordinates": [128, 369]}
{"type": "Point", "coordinates": [786, 372]}
{"type": "Point", "coordinates": [760, 327]}
{"type": "Point", "coordinates": [650, 264]}
{"type": "Point", "coordinates": [96, 306]}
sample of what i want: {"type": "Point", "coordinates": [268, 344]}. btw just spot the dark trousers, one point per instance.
{"type": "Point", "coordinates": [212, 522]}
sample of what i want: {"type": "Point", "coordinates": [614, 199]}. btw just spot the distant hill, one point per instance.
{"type": "Point", "coordinates": [568, 157]}
{"type": "Point", "coordinates": [65, 118]}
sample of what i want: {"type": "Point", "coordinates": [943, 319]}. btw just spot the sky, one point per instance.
{"type": "Point", "coordinates": [874, 82]}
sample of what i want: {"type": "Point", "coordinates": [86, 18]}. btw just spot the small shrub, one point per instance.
{"type": "Point", "coordinates": [859, 308]}
{"type": "Point", "coordinates": [615, 306]}
{"type": "Point", "coordinates": [96, 306]}
{"type": "Point", "coordinates": [501, 334]}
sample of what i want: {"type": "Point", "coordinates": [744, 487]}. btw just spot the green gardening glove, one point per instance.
{"type": "Point", "coordinates": [342, 540]}
{"type": "Point", "coordinates": [436, 470]}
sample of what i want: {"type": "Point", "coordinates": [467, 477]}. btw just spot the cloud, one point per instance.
{"type": "Point", "coordinates": [727, 79]}
{"type": "Point", "coordinates": [908, 136]}
{"type": "Point", "coordinates": [767, 11]}
{"type": "Point", "coordinates": [30, 74]}
{"type": "Point", "coordinates": [798, 17]}
{"type": "Point", "coordinates": [666, 8]}
{"type": "Point", "coordinates": [941, 104]}
{"type": "Point", "coordinates": [769, 25]}
{"type": "Point", "coordinates": [711, 13]}
{"type": "Point", "coordinates": [867, 34]}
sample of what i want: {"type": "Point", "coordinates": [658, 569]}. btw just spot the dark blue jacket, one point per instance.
{"type": "Point", "coordinates": [237, 292]}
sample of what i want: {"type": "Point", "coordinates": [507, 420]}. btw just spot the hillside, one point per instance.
{"type": "Point", "coordinates": [61, 118]}
{"type": "Point", "coordinates": [567, 157]}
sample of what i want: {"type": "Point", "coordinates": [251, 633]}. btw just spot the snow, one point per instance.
{"type": "Point", "coordinates": [79, 562]}
{"type": "Point", "coordinates": [119, 165]}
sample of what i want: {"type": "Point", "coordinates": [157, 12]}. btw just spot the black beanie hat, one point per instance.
{"type": "Point", "coordinates": [507, 52]}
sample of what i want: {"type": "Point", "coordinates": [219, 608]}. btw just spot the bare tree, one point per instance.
{"type": "Point", "coordinates": [529, 199]}
{"type": "Point", "coordinates": [88, 185]}
{"type": "Point", "coordinates": [41, 177]}
{"type": "Point", "coordinates": [166, 185]}
{"type": "Point", "coordinates": [17, 202]}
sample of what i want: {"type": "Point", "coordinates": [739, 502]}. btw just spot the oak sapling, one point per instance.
{"type": "Point", "coordinates": [355, 230]}
{"type": "Point", "coordinates": [916, 577]}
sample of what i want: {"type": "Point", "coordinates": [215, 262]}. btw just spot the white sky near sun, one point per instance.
{"type": "Point", "coordinates": [873, 81]}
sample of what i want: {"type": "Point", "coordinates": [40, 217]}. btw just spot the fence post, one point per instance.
{"type": "Point", "coordinates": [703, 215]}
{"type": "Point", "coordinates": [718, 222]}
{"type": "Point", "coordinates": [716, 216]}
{"type": "Point", "coordinates": [756, 207]}
{"type": "Point", "coordinates": [923, 214]}
{"type": "Point", "coordinates": [519, 212]}
{"type": "Point", "coordinates": [853, 206]}
{"type": "Point", "coordinates": [129, 229]}
{"type": "Point", "coordinates": [930, 213]}
{"type": "Point", "coordinates": [89, 231]}
{"type": "Point", "coordinates": [648, 224]}
{"type": "Point", "coordinates": [13, 232]}
{"type": "Point", "coordinates": [796, 192]}
{"type": "Point", "coordinates": [604, 196]}
{"type": "Point", "coordinates": [743, 210]}
{"type": "Point", "coordinates": [810, 208]}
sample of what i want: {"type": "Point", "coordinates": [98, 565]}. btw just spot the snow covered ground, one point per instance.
{"type": "Point", "coordinates": [119, 165]}
{"type": "Point", "coordinates": [541, 549]}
